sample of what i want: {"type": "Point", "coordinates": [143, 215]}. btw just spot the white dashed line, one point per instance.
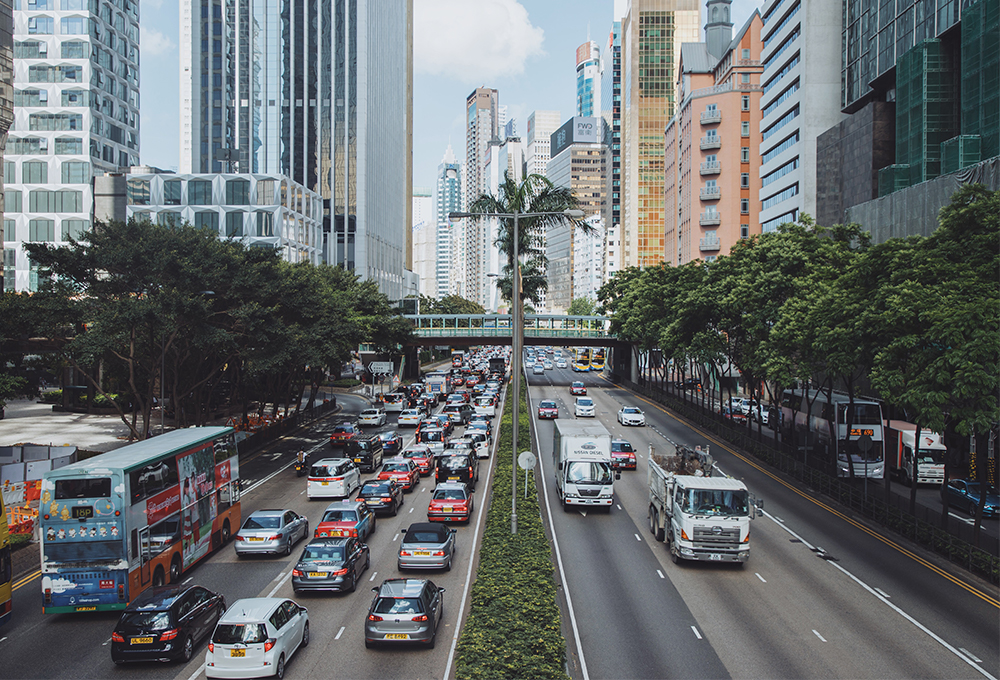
{"type": "Point", "coordinates": [339, 632]}
{"type": "Point", "coordinates": [280, 583]}
{"type": "Point", "coordinates": [881, 592]}
{"type": "Point", "coordinates": [412, 509]}
{"type": "Point", "coordinates": [619, 505]}
{"type": "Point", "coordinates": [822, 639]}
{"type": "Point", "coordinates": [761, 578]}
{"type": "Point", "coordinates": [395, 538]}
{"type": "Point", "coordinates": [660, 573]}
{"type": "Point", "coordinates": [188, 580]}
{"type": "Point", "coordinates": [961, 649]}
{"type": "Point", "coordinates": [637, 537]}
{"type": "Point", "coordinates": [374, 573]}
{"type": "Point", "coordinates": [696, 633]}
{"type": "Point", "coordinates": [3, 638]}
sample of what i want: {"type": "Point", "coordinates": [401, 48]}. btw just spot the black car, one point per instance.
{"type": "Point", "coordinates": [391, 442]}
{"type": "Point", "coordinates": [462, 467]}
{"type": "Point", "coordinates": [166, 624]}
{"type": "Point", "coordinates": [331, 564]}
{"type": "Point", "coordinates": [382, 495]}
{"type": "Point", "coordinates": [365, 451]}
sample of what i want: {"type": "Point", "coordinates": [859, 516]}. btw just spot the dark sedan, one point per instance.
{"type": "Point", "coordinates": [965, 494]}
{"type": "Point", "coordinates": [391, 442]}
{"type": "Point", "coordinates": [165, 624]}
{"type": "Point", "coordinates": [331, 564]}
{"type": "Point", "coordinates": [382, 495]}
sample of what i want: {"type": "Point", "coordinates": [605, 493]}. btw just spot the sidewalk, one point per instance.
{"type": "Point", "coordinates": [28, 422]}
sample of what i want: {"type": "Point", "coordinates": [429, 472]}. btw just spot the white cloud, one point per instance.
{"type": "Point", "coordinates": [473, 42]}
{"type": "Point", "coordinates": [154, 42]}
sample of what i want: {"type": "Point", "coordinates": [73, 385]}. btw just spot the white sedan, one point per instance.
{"type": "Point", "coordinates": [630, 415]}
{"type": "Point", "coordinates": [372, 416]}
{"type": "Point", "coordinates": [410, 417]}
{"type": "Point", "coordinates": [256, 637]}
{"type": "Point", "coordinates": [560, 363]}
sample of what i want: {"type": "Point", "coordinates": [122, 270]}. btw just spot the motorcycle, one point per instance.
{"type": "Point", "coordinates": [301, 468]}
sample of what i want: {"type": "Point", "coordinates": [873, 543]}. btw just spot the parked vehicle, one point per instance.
{"type": "Point", "coordinates": [346, 518]}
{"type": "Point", "coordinates": [166, 624]}
{"type": "Point", "coordinates": [426, 546]}
{"type": "Point", "coordinates": [256, 637]}
{"type": "Point", "coordinates": [270, 531]}
{"type": "Point", "coordinates": [404, 610]}
{"type": "Point", "coordinates": [333, 478]}
{"type": "Point", "coordinates": [366, 452]}
{"type": "Point", "coordinates": [584, 469]}
{"type": "Point", "coordinates": [699, 517]}
{"type": "Point", "coordinates": [331, 564]}
{"type": "Point", "coordinates": [900, 442]}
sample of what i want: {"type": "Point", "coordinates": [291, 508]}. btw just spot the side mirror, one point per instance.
{"type": "Point", "coordinates": [440, 590]}
{"type": "Point", "coordinates": [402, 531]}
{"type": "Point", "coordinates": [375, 589]}
{"type": "Point", "coordinates": [618, 474]}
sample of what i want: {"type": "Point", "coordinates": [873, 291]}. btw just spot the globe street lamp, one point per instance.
{"type": "Point", "coordinates": [518, 331]}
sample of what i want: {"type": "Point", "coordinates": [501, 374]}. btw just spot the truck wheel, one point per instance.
{"type": "Point", "coordinates": [674, 556]}
{"type": "Point", "coordinates": [654, 524]}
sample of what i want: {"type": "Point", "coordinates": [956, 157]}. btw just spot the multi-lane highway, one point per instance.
{"type": "Point", "coordinates": [34, 645]}
{"type": "Point", "coordinates": [823, 595]}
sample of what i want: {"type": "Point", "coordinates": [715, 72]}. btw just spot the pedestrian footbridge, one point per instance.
{"type": "Point", "coordinates": [495, 329]}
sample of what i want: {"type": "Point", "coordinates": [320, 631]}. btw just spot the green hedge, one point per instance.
{"type": "Point", "coordinates": [346, 382]}
{"type": "Point", "coordinates": [53, 397]}
{"type": "Point", "coordinates": [19, 541]}
{"type": "Point", "coordinates": [513, 628]}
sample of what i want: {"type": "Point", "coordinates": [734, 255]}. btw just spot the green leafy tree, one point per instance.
{"type": "Point", "coordinates": [582, 306]}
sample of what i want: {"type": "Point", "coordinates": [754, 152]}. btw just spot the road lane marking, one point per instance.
{"type": "Point", "coordinates": [280, 583]}
{"type": "Point", "coordinates": [25, 580]}
{"type": "Point", "coordinates": [411, 510]}
{"type": "Point", "coordinates": [339, 632]}
{"type": "Point", "coordinates": [619, 505]}
{"type": "Point", "coordinates": [3, 638]}
{"type": "Point", "coordinates": [188, 580]}
{"type": "Point", "coordinates": [374, 573]}
{"type": "Point", "coordinates": [395, 538]}
{"type": "Point", "coordinates": [961, 649]}
{"type": "Point", "coordinates": [696, 633]}
{"type": "Point", "coordinates": [198, 672]}
{"type": "Point", "coordinates": [760, 577]}
{"type": "Point", "coordinates": [882, 593]}
{"type": "Point", "coordinates": [660, 573]}
{"type": "Point", "coordinates": [822, 639]}
{"type": "Point", "coordinates": [638, 538]}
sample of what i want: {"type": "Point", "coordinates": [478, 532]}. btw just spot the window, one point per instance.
{"type": "Point", "coordinates": [745, 103]}
{"type": "Point", "coordinates": [39, 4]}
{"type": "Point", "coordinates": [777, 198]}
{"type": "Point", "coordinates": [9, 230]}
{"type": "Point", "coordinates": [781, 122]}
{"type": "Point", "coordinates": [744, 206]}
{"type": "Point", "coordinates": [48, 122]}
{"type": "Point", "coordinates": [234, 224]}
{"type": "Point", "coordinates": [199, 192]}
{"type": "Point", "coordinates": [745, 128]}
{"type": "Point", "coordinates": [31, 98]}
{"type": "Point", "coordinates": [745, 180]}
{"type": "Point", "coordinates": [745, 154]}
{"type": "Point", "coordinates": [9, 171]}
{"type": "Point", "coordinates": [11, 201]}
{"type": "Point", "coordinates": [74, 50]}
{"type": "Point", "coordinates": [41, 231]}
{"type": "Point", "coordinates": [265, 192]}
{"type": "Point", "coordinates": [237, 192]}
{"type": "Point", "coordinates": [172, 192]}
{"type": "Point", "coordinates": [169, 219]}
{"type": "Point", "coordinates": [75, 172]}
{"type": "Point", "coordinates": [745, 53]}
{"type": "Point", "coordinates": [75, 98]}
{"type": "Point", "coordinates": [265, 223]}
{"type": "Point", "coordinates": [744, 231]}
{"type": "Point", "coordinates": [69, 145]}
{"type": "Point", "coordinates": [780, 172]}
{"type": "Point", "coordinates": [137, 191]}
{"type": "Point", "coordinates": [40, 25]}
{"type": "Point", "coordinates": [207, 220]}
{"type": "Point", "coordinates": [745, 78]}
{"type": "Point", "coordinates": [783, 145]}
{"type": "Point", "coordinates": [74, 229]}
{"type": "Point", "coordinates": [31, 49]}
{"type": "Point", "coordinates": [35, 172]}
{"type": "Point", "coordinates": [40, 200]}
{"type": "Point", "coordinates": [74, 26]}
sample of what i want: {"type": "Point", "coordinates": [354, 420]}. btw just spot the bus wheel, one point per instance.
{"type": "Point", "coordinates": [158, 577]}
{"type": "Point", "coordinates": [225, 532]}
{"type": "Point", "coordinates": [175, 569]}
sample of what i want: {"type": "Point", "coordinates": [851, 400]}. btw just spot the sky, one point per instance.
{"type": "Point", "coordinates": [526, 49]}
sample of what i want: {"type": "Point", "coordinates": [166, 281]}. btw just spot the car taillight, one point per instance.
{"type": "Point", "coordinates": [404, 553]}
{"type": "Point", "coordinates": [48, 594]}
{"type": "Point", "coordinates": [169, 634]}
{"type": "Point", "coordinates": [276, 537]}
{"type": "Point", "coordinates": [117, 637]}
{"type": "Point", "coordinates": [211, 647]}
{"type": "Point", "coordinates": [352, 532]}
{"type": "Point", "coordinates": [318, 533]}
{"type": "Point", "coordinates": [336, 479]}
{"type": "Point", "coordinates": [339, 572]}
{"type": "Point", "coordinates": [439, 553]}
{"type": "Point", "coordinates": [297, 572]}
{"type": "Point", "coordinates": [422, 617]}
{"type": "Point", "coordinates": [373, 617]}
{"type": "Point", "coordinates": [269, 644]}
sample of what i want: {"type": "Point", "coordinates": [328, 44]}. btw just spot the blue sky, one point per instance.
{"type": "Point", "coordinates": [524, 48]}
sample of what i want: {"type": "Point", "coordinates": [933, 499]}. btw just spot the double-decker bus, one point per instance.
{"type": "Point", "coordinates": [117, 523]}
{"type": "Point", "coordinates": [6, 568]}
{"type": "Point", "coordinates": [597, 360]}
{"type": "Point", "coordinates": [858, 433]}
{"type": "Point", "coordinates": [581, 359]}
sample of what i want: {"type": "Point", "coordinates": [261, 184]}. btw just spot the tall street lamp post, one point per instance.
{"type": "Point", "coordinates": [517, 338]}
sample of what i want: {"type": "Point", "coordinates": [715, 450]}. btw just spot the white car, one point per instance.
{"type": "Point", "coordinates": [548, 365]}
{"type": "Point", "coordinates": [256, 637]}
{"type": "Point", "coordinates": [561, 363]}
{"type": "Point", "coordinates": [410, 417]}
{"type": "Point", "coordinates": [538, 369]}
{"type": "Point", "coordinates": [481, 440]}
{"type": "Point", "coordinates": [333, 478]}
{"type": "Point", "coordinates": [630, 415]}
{"type": "Point", "coordinates": [486, 406]}
{"type": "Point", "coordinates": [583, 407]}
{"type": "Point", "coordinates": [372, 416]}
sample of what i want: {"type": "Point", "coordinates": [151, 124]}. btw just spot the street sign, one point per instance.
{"type": "Point", "coordinates": [526, 461]}
{"type": "Point", "coordinates": [380, 367]}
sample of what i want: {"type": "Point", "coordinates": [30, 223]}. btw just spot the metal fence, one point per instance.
{"type": "Point", "coordinates": [891, 511]}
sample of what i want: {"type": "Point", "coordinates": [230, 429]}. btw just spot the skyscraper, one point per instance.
{"type": "Point", "coordinates": [448, 197]}
{"type": "Point", "coordinates": [541, 125]}
{"type": "Point", "coordinates": [611, 114]}
{"type": "Point", "coordinates": [6, 114]}
{"type": "Point", "coordinates": [76, 114]}
{"type": "Point", "coordinates": [425, 241]}
{"type": "Point", "coordinates": [311, 90]}
{"type": "Point", "coordinates": [483, 123]}
{"type": "Point", "coordinates": [652, 33]}
{"type": "Point", "coordinates": [588, 79]}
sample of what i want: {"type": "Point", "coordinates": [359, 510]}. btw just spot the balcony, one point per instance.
{"type": "Point", "coordinates": [709, 244]}
{"type": "Point", "coordinates": [710, 218]}
{"type": "Point", "coordinates": [711, 193]}
{"type": "Point", "coordinates": [711, 142]}
{"type": "Point", "coordinates": [709, 116]}
{"type": "Point", "coordinates": [710, 168]}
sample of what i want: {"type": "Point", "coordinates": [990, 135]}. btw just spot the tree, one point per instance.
{"type": "Point", "coordinates": [582, 306]}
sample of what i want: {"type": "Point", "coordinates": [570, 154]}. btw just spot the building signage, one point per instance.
{"type": "Point", "coordinates": [577, 130]}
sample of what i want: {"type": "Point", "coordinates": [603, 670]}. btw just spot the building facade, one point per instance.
{"type": "Point", "coordinates": [541, 125]}
{"type": "Point", "coordinates": [588, 80]}
{"type": "Point", "coordinates": [611, 116]}
{"type": "Point", "coordinates": [589, 258]}
{"type": "Point", "coordinates": [76, 114]}
{"type": "Point", "coordinates": [800, 99]}
{"type": "Point", "coordinates": [652, 34]}
{"type": "Point", "coordinates": [6, 119]}
{"type": "Point", "coordinates": [449, 197]}
{"type": "Point", "coordinates": [483, 124]}
{"type": "Point", "coordinates": [425, 242]}
{"type": "Point", "coordinates": [711, 180]}
{"type": "Point", "coordinates": [316, 91]}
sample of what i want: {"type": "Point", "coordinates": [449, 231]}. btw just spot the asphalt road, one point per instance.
{"type": "Point", "coordinates": [76, 646]}
{"type": "Point", "coordinates": [823, 595]}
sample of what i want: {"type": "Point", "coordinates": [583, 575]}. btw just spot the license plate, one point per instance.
{"type": "Point", "coordinates": [446, 509]}
{"type": "Point", "coordinates": [422, 553]}
{"type": "Point", "coordinates": [453, 478]}
{"type": "Point", "coordinates": [716, 558]}
{"type": "Point", "coordinates": [325, 483]}
{"type": "Point", "coordinates": [357, 460]}
{"type": "Point", "coordinates": [142, 641]}
{"type": "Point", "coordinates": [397, 636]}
{"type": "Point", "coordinates": [317, 574]}
{"type": "Point", "coordinates": [86, 609]}
{"type": "Point", "coordinates": [237, 652]}
{"type": "Point", "coordinates": [255, 539]}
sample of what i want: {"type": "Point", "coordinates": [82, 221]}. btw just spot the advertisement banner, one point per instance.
{"type": "Point", "coordinates": [199, 504]}
{"type": "Point", "coordinates": [163, 505]}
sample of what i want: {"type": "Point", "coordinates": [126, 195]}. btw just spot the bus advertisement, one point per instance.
{"type": "Point", "coordinates": [6, 567]}
{"type": "Point", "coordinates": [581, 360]}
{"type": "Point", "coordinates": [597, 360]}
{"type": "Point", "coordinates": [136, 517]}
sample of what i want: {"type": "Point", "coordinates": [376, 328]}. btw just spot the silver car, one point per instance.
{"type": "Point", "coordinates": [271, 531]}
{"type": "Point", "coordinates": [426, 546]}
{"type": "Point", "coordinates": [404, 610]}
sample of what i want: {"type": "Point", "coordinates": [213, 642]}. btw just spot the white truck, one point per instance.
{"type": "Point", "coordinates": [584, 472]}
{"type": "Point", "coordinates": [699, 517]}
{"type": "Point", "coordinates": [900, 439]}
{"type": "Point", "coordinates": [438, 384]}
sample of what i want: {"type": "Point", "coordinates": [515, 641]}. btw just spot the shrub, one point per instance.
{"type": "Point", "coordinates": [19, 541]}
{"type": "Point", "coordinates": [513, 628]}
{"type": "Point", "coordinates": [53, 397]}
{"type": "Point", "coordinates": [346, 382]}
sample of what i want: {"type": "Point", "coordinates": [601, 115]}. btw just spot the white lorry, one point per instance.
{"type": "Point", "coordinates": [900, 439]}
{"type": "Point", "coordinates": [698, 516]}
{"type": "Point", "coordinates": [438, 385]}
{"type": "Point", "coordinates": [584, 472]}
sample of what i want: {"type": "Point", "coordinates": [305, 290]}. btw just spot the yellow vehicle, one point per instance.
{"type": "Point", "coordinates": [597, 360]}
{"type": "Point", "coordinates": [581, 360]}
{"type": "Point", "coordinates": [6, 569]}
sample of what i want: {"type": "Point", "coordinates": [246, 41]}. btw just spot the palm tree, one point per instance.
{"type": "Point", "coordinates": [535, 194]}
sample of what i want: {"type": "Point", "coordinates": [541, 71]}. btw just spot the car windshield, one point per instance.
{"type": "Point", "coordinates": [930, 457]}
{"type": "Point", "coordinates": [454, 462]}
{"type": "Point", "coordinates": [630, 409]}
{"type": "Point", "coordinates": [340, 516]}
{"type": "Point", "coordinates": [580, 472]}
{"type": "Point", "coordinates": [341, 429]}
{"type": "Point", "coordinates": [414, 454]}
{"type": "Point", "coordinates": [431, 436]}
{"type": "Point", "coordinates": [147, 620]}
{"type": "Point", "coordinates": [449, 495]}
{"type": "Point", "coordinates": [374, 489]}
{"type": "Point", "coordinates": [547, 404]}
{"type": "Point", "coordinates": [398, 605]}
{"type": "Point", "coordinates": [316, 553]}
{"type": "Point", "coordinates": [263, 522]}
{"type": "Point", "coordinates": [395, 467]}
{"type": "Point", "coordinates": [621, 447]}
{"type": "Point", "coordinates": [714, 502]}
{"type": "Point", "coordinates": [974, 489]}
{"type": "Point", "coordinates": [585, 402]}
{"type": "Point", "coordinates": [232, 633]}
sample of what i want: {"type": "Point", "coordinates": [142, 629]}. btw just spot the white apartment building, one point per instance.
{"type": "Point", "coordinates": [449, 197]}
{"type": "Point", "coordinates": [588, 258]}
{"type": "Point", "coordinates": [425, 242]}
{"type": "Point", "coordinates": [541, 125]}
{"type": "Point", "coordinates": [800, 99]}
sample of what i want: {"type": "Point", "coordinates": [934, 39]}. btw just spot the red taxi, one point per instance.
{"type": "Point", "coordinates": [450, 502]}
{"type": "Point", "coordinates": [422, 457]}
{"type": "Point", "coordinates": [578, 389]}
{"type": "Point", "coordinates": [403, 470]}
{"type": "Point", "coordinates": [548, 409]}
{"type": "Point", "coordinates": [344, 433]}
{"type": "Point", "coordinates": [622, 455]}
{"type": "Point", "coordinates": [346, 518]}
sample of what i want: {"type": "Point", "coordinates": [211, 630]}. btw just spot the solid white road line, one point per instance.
{"type": "Point", "coordinates": [198, 672]}
{"type": "Point", "coordinates": [760, 577]}
{"type": "Point", "coordinates": [696, 633]}
{"type": "Point", "coordinates": [280, 583]}
{"type": "Point", "coordinates": [881, 592]}
{"type": "Point", "coordinates": [822, 639]}
{"type": "Point", "coordinates": [340, 632]}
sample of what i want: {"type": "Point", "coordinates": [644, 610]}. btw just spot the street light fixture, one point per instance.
{"type": "Point", "coordinates": [516, 338]}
